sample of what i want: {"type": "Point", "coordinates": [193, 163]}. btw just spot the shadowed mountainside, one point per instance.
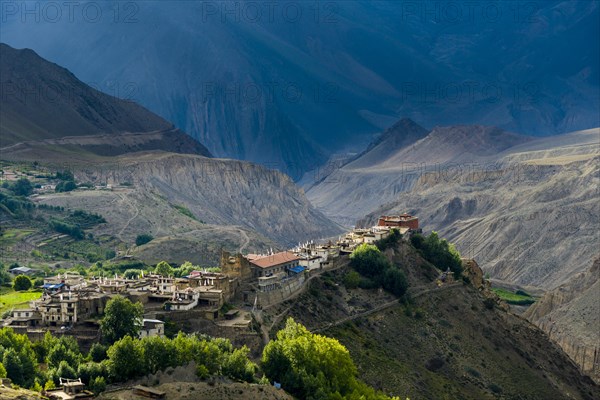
{"type": "Point", "coordinates": [43, 104]}
{"type": "Point", "coordinates": [289, 84]}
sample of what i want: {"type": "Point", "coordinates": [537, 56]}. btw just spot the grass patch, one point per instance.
{"type": "Point", "coordinates": [11, 299]}
{"type": "Point", "coordinates": [185, 211]}
{"type": "Point", "coordinates": [13, 235]}
{"type": "Point", "coordinates": [518, 298]}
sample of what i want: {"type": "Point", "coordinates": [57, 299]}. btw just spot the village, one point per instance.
{"type": "Point", "coordinates": [72, 305]}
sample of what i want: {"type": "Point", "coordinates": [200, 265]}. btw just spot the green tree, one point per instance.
{"type": "Point", "coordinates": [439, 252]}
{"type": "Point", "coordinates": [98, 384]}
{"type": "Point", "coordinates": [98, 352]}
{"type": "Point", "coordinates": [22, 187]}
{"type": "Point", "coordinates": [143, 239]}
{"type": "Point", "coordinates": [121, 318]}
{"type": "Point", "coordinates": [2, 371]}
{"type": "Point", "coordinates": [238, 366]}
{"type": "Point", "coordinates": [65, 186]}
{"type": "Point", "coordinates": [368, 260]}
{"type": "Point", "coordinates": [14, 370]}
{"type": "Point", "coordinates": [125, 358]}
{"type": "Point", "coordinates": [163, 268]}
{"type": "Point", "coordinates": [64, 349]}
{"type": "Point", "coordinates": [90, 370]}
{"type": "Point", "coordinates": [395, 281]}
{"type": "Point", "coordinates": [22, 283]}
{"type": "Point", "coordinates": [309, 365]}
{"type": "Point", "coordinates": [158, 354]}
{"type": "Point", "coordinates": [132, 273]}
{"type": "Point", "coordinates": [4, 275]}
{"type": "Point", "coordinates": [65, 370]}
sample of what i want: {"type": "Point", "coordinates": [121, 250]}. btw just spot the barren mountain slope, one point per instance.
{"type": "Point", "coordinates": [288, 88]}
{"type": "Point", "coordinates": [43, 104]}
{"type": "Point", "coordinates": [526, 211]}
{"type": "Point", "coordinates": [570, 315]}
{"type": "Point", "coordinates": [216, 191]}
{"type": "Point", "coordinates": [444, 344]}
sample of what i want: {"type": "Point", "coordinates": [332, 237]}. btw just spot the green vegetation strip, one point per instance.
{"type": "Point", "coordinates": [518, 298]}
{"type": "Point", "coordinates": [11, 299]}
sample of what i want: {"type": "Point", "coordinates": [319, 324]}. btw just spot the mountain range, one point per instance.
{"type": "Point", "coordinates": [508, 200]}
{"type": "Point", "coordinates": [288, 85]}
{"type": "Point", "coordinates": [106, 140]}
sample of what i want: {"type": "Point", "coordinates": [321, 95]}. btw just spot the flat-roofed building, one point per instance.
{"type": "Point", "coordinates": [274, 263]}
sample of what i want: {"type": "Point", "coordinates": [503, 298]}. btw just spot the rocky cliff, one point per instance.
{"type": "Point", "coordinates": [524, 209]}
{"type": "Point", "coordinates": [570, 315]}
{"type": "Point", "coordinates": [219, 192]}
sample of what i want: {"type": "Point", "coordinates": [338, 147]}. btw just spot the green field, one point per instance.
{"type": "Point", "coordinates": [10, 299]}
{"type": "Point", "coordinates": [13, 235]}
{"type": "Point", "coordinates": [521, 298]}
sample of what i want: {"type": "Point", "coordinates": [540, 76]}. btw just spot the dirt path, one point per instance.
{"type": "Point", "coordinates": [137, 212]}
{"type": "Point", "coordinates": [383, 307]}
{"type": "Point", "coordinates": [246, 239]}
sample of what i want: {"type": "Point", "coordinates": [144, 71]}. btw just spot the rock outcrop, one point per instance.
{"type": "Point", "coordinates": [219, 192]}
{"type": "Point", "coordinates": [570, 315]}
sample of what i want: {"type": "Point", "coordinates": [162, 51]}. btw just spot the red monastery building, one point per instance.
{"type": "Point", "coordinates": [399, 221]}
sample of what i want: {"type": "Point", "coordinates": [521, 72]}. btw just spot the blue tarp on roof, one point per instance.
{"type": "Point", "coordinates": [297, 269]}
{"type": "Point", "coordinates": [53, 286]}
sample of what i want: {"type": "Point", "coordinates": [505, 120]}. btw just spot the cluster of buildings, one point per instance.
{"type": "Point", "coordinates": [259, 279]}
{"type": "Point", "coordinates": [70, 299]}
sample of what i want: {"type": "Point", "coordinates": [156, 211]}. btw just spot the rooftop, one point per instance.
{"type": "Point", "coordinates": [274, 259]}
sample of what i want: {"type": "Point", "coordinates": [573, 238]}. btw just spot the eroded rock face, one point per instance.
{"type": "Point", "coordinates": [220, 192]}
{"type": "Point", "coordinates": [570, 315]}
{"type": "Point", "coordinates": [472, 271]}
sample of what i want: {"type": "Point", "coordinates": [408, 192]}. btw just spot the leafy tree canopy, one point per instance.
{"type": "Point", "coordinates": [121, 318]}
{"type": "Point", "coordinates": [163, 268]}
{"type": "Point", "coordinates": [22, 282]}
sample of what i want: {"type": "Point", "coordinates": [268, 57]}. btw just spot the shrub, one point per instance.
{"type": "Point", "coordinates": [22, 187]}
{"type": "Point", "coordinates": [368, 260]}
{"type": "Point", "coordinates": [352, 280]}
{"type": "Point", "coordinates": [98, 384]}
{"type": "Point", "coordinates": [143, 239]}
{"type": "Point", "coordinates": [65, 186]}
{"type": "Point", "coordinates": [395, 281]}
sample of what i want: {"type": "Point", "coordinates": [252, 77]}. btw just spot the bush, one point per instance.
{"type": "Point", "coordinates": [368, 260]}
{"type": "Point", "coordinates": [65, 186]}
{"type": "Point", "coordinates": [74, 231]}
{"type": "Point", "coordinates": [352, 280]}
{"type": "Point", "coordinates": [22, 187]}
{"type": "Point", "coordinates": [489, 303]}
{"type": "Point", "coordinates": [98, 385]}
{"type": "Point", "coordinates": [143, 239]}
{"type": "Point", "coordinates": [395, 281]}
{"type": "Point", "coordinates": [22, 283]}
{"type": "Point", "coordinates": [391, 240]}
{"type": "Point", "coordinates": [98, 352]}
{"type": "Point", "coordinates": [438, 252]}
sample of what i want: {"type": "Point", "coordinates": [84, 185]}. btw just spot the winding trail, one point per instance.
{"type": "Point", "coordinates": [384, 306]}
{"type": "Point", "coordinates": [137, 212]}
